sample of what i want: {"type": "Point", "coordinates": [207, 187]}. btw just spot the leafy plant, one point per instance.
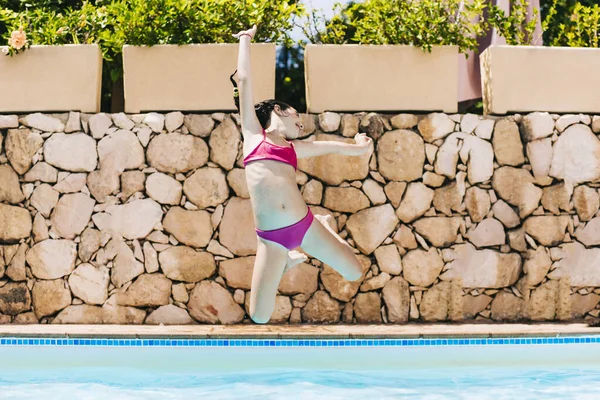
{"type": "Point", "coordinates": [424, 23]}
{"type": "Point", "coordinates": [515, 27]}
{"type": "Point", "coordinates": [583, 29]}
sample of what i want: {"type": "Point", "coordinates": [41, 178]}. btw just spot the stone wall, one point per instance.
{"type": "Point", "coordinates": [134, 219]}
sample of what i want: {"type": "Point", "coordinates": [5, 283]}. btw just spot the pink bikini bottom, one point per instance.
{"type": "Point", "coordinates": [291, 236]}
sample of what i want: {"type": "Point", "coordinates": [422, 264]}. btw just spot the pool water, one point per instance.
{"type": "Point", "coordinates": [570, 371]}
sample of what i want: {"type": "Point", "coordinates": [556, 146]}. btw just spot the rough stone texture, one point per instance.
{"type": "Point", "coordinates": [581, 305]}
{"type": "Point", "coordinates": [14, 298]}
{"type": "Point", "coordinates": [192, 228]}
{"type": "Point", "coordinates": [72, 214]}
{"type": "Point", "coordinates": [536, 266]}
{"type": "Point", "coordinates": [586, 201]}
{"type": "Point", "coordinates": [556, 198]}
{"type": "Point", "coordinates": [435, 126]}
{"type": "Point", "coordinates": [578, 264]}
{"type": "Point", "coordinates": [134, 220]}
{"type": "Point", "coordinates": [478, 203]}
{"type": "Point", "coordinates": [401, 155]}
{"type": "Point", "coordinates": [73, 152]}
{"type": "Point", "coordinates": [396, 296]}
{"type": "Point", "coordinates": [90, 284]}
{"type": "Point", "coordinates": [164, 189]}
{"type": "Point", "coordinates": [312, 192]}
{"type": "Point", "coordinates": [180, 263]}
{"type": "Point", "coordinates": [590, 234]}
{"type": "Point", "coordinates": [207, 187]}
{"type": "Point", "coordinates": [421, 268]}
{"type": "Point", "coordinates": [404, 121]}
{"type": "Point", "coordinates": [199, 125]}
{"type": "Point", "coordinates": [169, 315]}
{"type": "Point", "coordinates": [236, 231]}
{"type": "Point", "coordinates": [237, 181]}
{"type": "Point", "coordinates": [43, 172]}
{"type": "Point", "coordinates": [537, 125]}
{"type": "Point", "coordinates": [15, 223]}
{"type": "Point", "coordinates": [349, 125]}
{"type": "Point", "coordinates": [174, 153]}
{"type": "Point", "coordinates": [439, 231]}
{"type": "Point", "coordinates": [91, 240]}
{"type": "Point", "coordinates": [546, 230]}
{"type": "Point", "coordinates": [370, 227]}
{"type": "Point", "coordinates": [388, 259]}
{"type": "Point", "coordinates": [80, 314]}
{"type": "Point", "coordinates": [440, 302]}
{"type": "Point", "coordinates": [20, 147]}
{"type": "Point", "coordinates": [539, 153]}
{"type": "Point", "coordinates": [473, 305]}
{"type": "Point", "coordinates": [415, 203]}
{"type": "Point", "coordinates": [450, 197]}
{"type": "Point", "coordinates": [367, 308]}
{"type": "Point", "coordinates": [329, 121]}
{"type": "Point", "coordinates": [489, 232]}
{"type": "Point", "coordinates": [238, 272]}
{"type": "Point", "coordinates": [508, 147]}
{"type": "Point", "coordinates": [52, 259]}
{"type": "Point", "coordinates": [349, 200]}
{"type": "Point", "coordinates": [321, 309]}
{"type": "Point", "coordinates": [50, 297]}
{"type": "Point", "coordinates": [576, 157]}
{"type": "Point", "coordinates": [340, 288]}
{"type": "Point", "coordinates": [125, 266]}
{"type": "Point", "coordinates": [302, 278]}
{"type": "Point", "coordinates": [482, 268]}
{"type": "Point", "coordinates": [131, 182]}
{"type": "Point", "coordinates": [43, 122]}
{"type": "Point", "coordinates": [505, 214]}
{"type": "Point", "coordinates": [44, 198]}
{"type": "Point", "coordinates": [374, 192]}
{"type": "Point", "coordinates": [333, 169]}
{"type": "Point", "coordinates": [148, 290]}
{"type": "Point", "coordinates": [394, 192]}
{"type": "Point", "coordinates": [211, 303]}
{"type": "Point", "coordinates": [16, 266]}
{"type": "Point", "coordinates": [103, 183]}
{"type": "Point", "coordinates": [223, 143]}
{"type": "Point", "coordinates": [515, 186]}
{"type": "Point", "coordinates": [10, 190]}
{"type": "Point", "coordinates": [507, 307]}
{"type": "Point", "coordinates": [120, 151]}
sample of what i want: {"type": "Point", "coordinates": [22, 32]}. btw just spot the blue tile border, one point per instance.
{"type": "Point", "coordinates": [417, 342]}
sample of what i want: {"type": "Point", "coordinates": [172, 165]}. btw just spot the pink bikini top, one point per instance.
{"type": "Point", "coordinates": [270, 151]}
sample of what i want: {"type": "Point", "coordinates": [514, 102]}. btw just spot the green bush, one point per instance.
{"type": "Point", "coordinates": [582, 30]}
{"type": "Point", "coordinates": [424, 23]}
{"type": "Point", "coordinates": [514, 27]}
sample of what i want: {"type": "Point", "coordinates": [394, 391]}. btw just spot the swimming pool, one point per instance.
{"type": "Point", "coordinates": [460, 368]}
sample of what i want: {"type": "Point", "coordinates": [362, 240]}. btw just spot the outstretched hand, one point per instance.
{"type": "Point", "coordinates": [250, 32]}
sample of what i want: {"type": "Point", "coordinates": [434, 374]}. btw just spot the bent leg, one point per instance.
{"type": "Point", "coordinates": [271, 260]}
{"type": "Point", "coordinates": [322, 243]}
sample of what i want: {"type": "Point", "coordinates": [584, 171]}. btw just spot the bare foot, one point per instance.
{"type": "Point", "coordinates": [294, 258]}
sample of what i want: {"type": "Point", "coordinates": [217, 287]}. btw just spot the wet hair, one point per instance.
{"type": "Point", "coordinates": [263, 109]}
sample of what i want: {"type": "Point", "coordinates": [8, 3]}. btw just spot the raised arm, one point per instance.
{"type": "Point", "coordinates": [250, 124]}
{"type": "Point", "coordinates": [319, 148]}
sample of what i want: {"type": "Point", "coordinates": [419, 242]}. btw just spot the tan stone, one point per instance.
{"type": "Point", "coordinates": [374, 192]}
{"type": "Point", "coordinates": [223, 143]}
{"type": "Point", "coordinates": [103, 183]}
{"type": "Point", "coordinates": [590, 234]}
{"type": "Point", "coordinates": [50, 297]}
{"type": "Point", "coordinates": [164, 189]}
{"type": "Point", "coordinates": [576, 156]}
{"type": "Point", "coordinates": [15, 298]}
{"type": "Point", "coordinates": [43, 122]}
{"type": "Point", "coordinates": [435, 126]}
{"type": "Point", "coordinates": [438, 302]}
{"type": "Point", "coordinates": [91, 240]}
{"type": "Point", "coordinates": [302, 278]}
{"type": "Point", "coordinates": [199, 124]}
{"type": "Point", "coordinates": [556, 198]}
{"type": "Point", "coordinates": [321, 309]}
{"type": "Point", "coordinates": [72, 214]}
{"type": "Point", "coordinates": [334, 169]}
{"type": "Point", "coordinates": [537, 125]}
{"type": "Point", "coordinates": [27, 318]}
{"type": "Point", "coordinates": [586, 201]}
{"type": "Point", "coordinates": [125, 266]}
{"type": "Point", "coordinates": [508, 147]}
{"type": "Point", "coordinates": [169, 315]}
{"type": "Point", "coordinates": [405, 238]}
{"type": "Point", "coordinates": [478, 203]}
{"type": "Point", "coordinates": [507, 307]}
{"type": "Point", "coordinates": [312, 192]}
{"type": "Point", "coordinates": [148, 290]}
{"type": "Point", "coordinates": [340, 288]}
{"type": "Point", "coordinates": [450, 197]}
{"type": "Point", "coordinates": [401, 155]}
{"type": "Point", "coordinates": [44, 198]}
{"type": "Point", "coordinates": [367, 308]}
{"type": "Point", "coordinates": [446, 158]}
{"type": "Point", "coordinates": [373, 125]}
{"type": "Point", "coordinates": [192, 228]}
{"type": "Point", "coordinates": [120, 151]}
{"type": "Point", "coordinates": [542, 302]}
{"type": "Point", "coordinates": [71, 152]}
{"type": "Point", "coordinates": [516, 239]}
{"type": "Point", "coordinates": [150, 258]}
{"type": "Point", "coordinates": [329, 121]}
{"type": "Point", "coordinates": [370, 227]}
{"type": "Point", "coordinates": [375, 283]}
{"type": "Point", "coordinates": [421, 268]}
{"type": "Point", "coordinates": [404, 121]}
{"type": "Point", "coordinates": [439, 231]}
{"type": "Point", "coordinates": [72, 183]}
{"type": "Point", "coordinates": [397, 300]}
{"type": "Point", "coordinates": [16, 266]}
{"type": "Point", "coordinates": [117, 315]}
{"type": "Point", "coordinates": [581, 305]}
{"type": "Point", "coordinates": [516, 187]}
{"type": "Point", "coordinates": [310, 123]}
{"type": "Point", "coordinates": [10, 189]}
{"type": "Point", "coordinates": [52, 259]}
{"type": "Point", "coordinates": [536, 266]}
{"type": "Point", "coordinates": [349, 199]}
{"type": "Point", "coordinates": [394, 192]}
{"type": "Point", "coordinates": [236, 231]}
{"type": "Point", "coordinates": [20, 146]}
{"type": "Point", "coordinates": [131, 182]}
{"type": "Point", "coordinates": [433, 180]}
{"type": "Point", "coordinates": [283, 309]}
{"type": "Point", "coordinates": [482, 268]}
{"type": "Point", "coordinates": [546, 230]}
{"type": "Point", "coordinates": [80, 314]}
{"type": "Point", "coordinates": [505, 214]}
{"type": "Point", "coordinates": [211, 303]}
{"type": "Point", "coordinates": [473, 305]}
{"type": "Point", "coordinates": [388, 259]}
{"type": "Point", "coordinates": [180, 294]}
{"type": "Point", "coordinates": [180, 263]}
{"type": "Point", "coordinates": [237, 180]}
{"type": "Point", "coordinates": [207, 187]}
{"type": "Point", "coordinates": [539, 153]}
{"type": "Point", "coordinates": [173, 153]}
{"type": "Point", "coordinates": [417, 200]}
{"type": "Point", "coordinates": [489, 232]}
{"type": "Point", "coordinates": [480, 156]}
{"type": "Point", "coordinates": [90, 284]}
{"type": "Point", "coordinates": [238, 272]}
{"type": "Point", "coordinates": [134, 220]}
{"type": "Point", "coordinates": [349, 125]}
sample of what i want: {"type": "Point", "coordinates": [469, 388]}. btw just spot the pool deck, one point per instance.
{"type": "Point", "coordinates": [299, 331]}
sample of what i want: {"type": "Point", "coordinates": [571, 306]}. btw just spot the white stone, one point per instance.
{"type": "Point", "coordinates": [120, 151]}
{"type": "Point", "coordinates": [505, 214]}
{"type": "Point", "coordinates": [388, 259]}
{"type": "Point", "coordinates": [144, 135]}
{"type": "Point", "coordinates": [590, 234]}
{"type": "Point", "coordinates": [155, 121]}
{"type": "Point", "coordinates": [72, 214]}
{"type": "Point", "coordinates": [435, 126]}
{"type": "Point", "coordinates": [469, 123]}
{"type": "Point", "coordinates": [42, 122]}
{"type": "Point", "coordinates": [8, 122]}
{"type": "Point", "coordinates": [415, 203]}
{"type": "Point", "coordinates": [73, 152]}
{"type": "Point", "coordinates": [564, 121]}
{"type": "Point", "coordinates": [537, 125]}
{"type": "Point", "coordinates": [169, 315]}
{"type": "Point", "coordinates": [52, 259]}
{"type": "Point", "coordinates": [71, 184]}
{"type": "Point", "coordinates": [540, 153]}
{"type": "Point", "coordinates": [134, 220]}
{"type": "Point", "coordinates": [90, 283]}
{"type": "Point", "coordinates": [370, 227]}
{"type": "Point", "coordinates": [576, 157]}
{"type": "Point", "coordinates": [43, 172]}
{"type": "Point", "coordinates": [150, 258]}
{"type": "Point", "coordinates": [488, 232]}
{"type": "Point", "coordinates": [374, 191]}
{"type": "Point", "coordinates": [485, 128]}
{"type": "Point", "coordinates": [164, 189]}
{"type": "Point", "coordinates": [173, 121]}
{"type": "Point", "coordinates": [580, 265]}
{"type": "Point", "coordinates": [99, 124]}
{"type": "Point", "coordinates": [329, 121]}
{"type": "Point", "coordinates": [44, 198]}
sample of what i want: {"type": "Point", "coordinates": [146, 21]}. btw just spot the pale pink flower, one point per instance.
{"type": "Point", "coordinates": [18, 39]}
{"type": "Point", "coordinates": [5, 50]}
